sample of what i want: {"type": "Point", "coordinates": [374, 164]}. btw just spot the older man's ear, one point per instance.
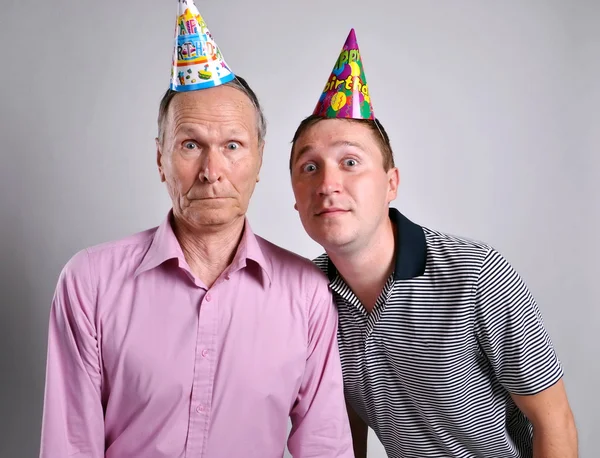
{"type": "Point", "coordinates": [261, 149]}
{"type": "Point", "coordinates": [159, 160]}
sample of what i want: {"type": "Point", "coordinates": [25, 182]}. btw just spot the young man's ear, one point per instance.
{"type": "Point", "coordinates": [393, 183]}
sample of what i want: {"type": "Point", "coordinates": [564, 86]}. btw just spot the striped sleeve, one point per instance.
{"type": "Point", "coordinates": [510, 329]}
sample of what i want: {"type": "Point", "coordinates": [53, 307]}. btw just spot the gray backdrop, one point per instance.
{"type": "Point", "coordinates": [492, 107]}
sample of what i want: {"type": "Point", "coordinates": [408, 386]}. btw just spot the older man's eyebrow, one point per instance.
{"type": "Point", "coordinates": [187, 129]}
{"type": "Point", "coordinates": [235, 131]}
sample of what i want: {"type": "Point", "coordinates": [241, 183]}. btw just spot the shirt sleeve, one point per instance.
{"type": "Point", "coordinates": [320, 426]}
{"type": "Point", "coordinates": [510, 330]}
{"type": "Point", "coordinates": [73, 420]}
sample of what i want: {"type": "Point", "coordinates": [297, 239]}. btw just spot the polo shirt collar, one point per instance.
{"type": "Point", "coordinates": [411, 249]}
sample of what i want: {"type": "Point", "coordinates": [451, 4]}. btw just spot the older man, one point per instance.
{"type": "Point", "coordinates": [444, 351]}
{"type": "Point", "coordinates": [196, 338]}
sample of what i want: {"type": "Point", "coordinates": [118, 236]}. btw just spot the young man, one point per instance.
{"type": "Point", "coordinates": [444, 352]}
{"type": "Point", "coordinates": [197, 338]}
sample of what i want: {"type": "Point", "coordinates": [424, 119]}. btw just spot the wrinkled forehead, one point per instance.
{"type": "Point", "coordinates": [213, 100]}
{"type": "Point", "coordinates": [219, 104]}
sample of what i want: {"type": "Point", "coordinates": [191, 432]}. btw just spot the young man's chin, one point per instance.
{"type": "Point", "coordinates": [333, 241]}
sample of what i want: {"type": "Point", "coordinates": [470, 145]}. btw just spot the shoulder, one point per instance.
{"type": "Point", "coordinates": [322, 262]}
{"type": "Point", "coordinates": [447, 244]}
{"type": "Point", "coordinates": [288, 264]}
{"type": "Point", "coordinates": [453, 254]}
{"type": "Point", "coordinates": [467, 251]}
{"type": "Point", "coordinates": [472, 261]}
{"type": "Point", "coordinates": [137, 243]}
{"type": "Point", "coordinates": [300, 277]}
{"type": "Point", "coordinates": [89, 262]}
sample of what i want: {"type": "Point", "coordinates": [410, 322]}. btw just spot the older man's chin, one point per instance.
{"type": "Point", "coordinates": [213, 216]}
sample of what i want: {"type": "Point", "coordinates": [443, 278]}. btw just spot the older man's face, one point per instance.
{"type": "Point", "coordinates": [210, 156]}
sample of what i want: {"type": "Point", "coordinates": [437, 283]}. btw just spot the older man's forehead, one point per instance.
{"type": "Point", "coordinates": [231, 128]}
{"type": "Point", "coordinates": [220, 95]}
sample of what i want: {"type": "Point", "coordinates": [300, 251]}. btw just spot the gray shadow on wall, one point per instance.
{"type": "Point", "coordinates": [25, 284]}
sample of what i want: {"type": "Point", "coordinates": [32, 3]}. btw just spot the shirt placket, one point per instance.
{"type": "Point", "coordinates": [366, 321]}
{"type": "Point", "coordinates": [380, 305]}
{"type": "Point", "coordinates": [204, 375]}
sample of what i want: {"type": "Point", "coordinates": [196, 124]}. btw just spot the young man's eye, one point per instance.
{"type": "Point", "coordinates": [309, 168]}
{"type": "Point", "coordinates": [350, 162]}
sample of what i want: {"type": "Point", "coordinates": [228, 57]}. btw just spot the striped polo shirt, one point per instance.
{"type": "Point", "coordinates": [453, 333]}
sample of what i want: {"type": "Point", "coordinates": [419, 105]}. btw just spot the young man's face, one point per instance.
{"type": "Point", "coordinates": [341, 188]}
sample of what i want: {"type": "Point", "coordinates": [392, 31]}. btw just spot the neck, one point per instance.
{"type": "Point", "coordinates": [367, 269]}
{"type": "Point", "coordinates": [208, 253]}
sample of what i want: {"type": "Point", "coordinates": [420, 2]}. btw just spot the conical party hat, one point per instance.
{"type": "Point", "coordinates": [197, 60]}
{"type": "Point", "coordinates": [346, 94]}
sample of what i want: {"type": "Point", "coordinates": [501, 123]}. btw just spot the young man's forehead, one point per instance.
{"type": "Point", "coordinates": [336, 132]}
{"type": "Point", "coordinates": [361, 134]}
{"type": "Point", "coordinates": [345, 128]}
{"type": "Point", "coordinates": [330, 144]}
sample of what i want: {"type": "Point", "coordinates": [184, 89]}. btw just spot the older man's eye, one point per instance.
{"type": "Point", "coordinates": [233, 146]}
{"type": "Point", "coordinates": [190, 145]}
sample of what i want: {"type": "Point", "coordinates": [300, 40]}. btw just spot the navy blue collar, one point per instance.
{"type": "Point", "coordinates": [411, 249]}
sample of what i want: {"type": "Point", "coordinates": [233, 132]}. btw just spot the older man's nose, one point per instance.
{"type": "Point", "coordinates": [211, 169]}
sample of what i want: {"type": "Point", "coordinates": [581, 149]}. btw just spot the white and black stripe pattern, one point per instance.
{"type": "Point", "coordinates": [432, 367]}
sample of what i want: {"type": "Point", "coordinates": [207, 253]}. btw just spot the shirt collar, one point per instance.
{"type": "Point", "coordinates": [165, 246]}
{"type": "Point", "coordinates": [249, 249]}
{"type": "Point", "coordinates": [411, 249]}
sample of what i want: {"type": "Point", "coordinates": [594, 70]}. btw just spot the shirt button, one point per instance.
{"type": "Point", "coordinates": [200, 409]}
{"type": "Point", "coordinates": [204, 353]}
{"type": "Point", "coordinates": [208, 297]}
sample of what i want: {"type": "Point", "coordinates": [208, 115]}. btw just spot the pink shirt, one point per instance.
{"type": "Point", "coordinates": [146, 361]}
